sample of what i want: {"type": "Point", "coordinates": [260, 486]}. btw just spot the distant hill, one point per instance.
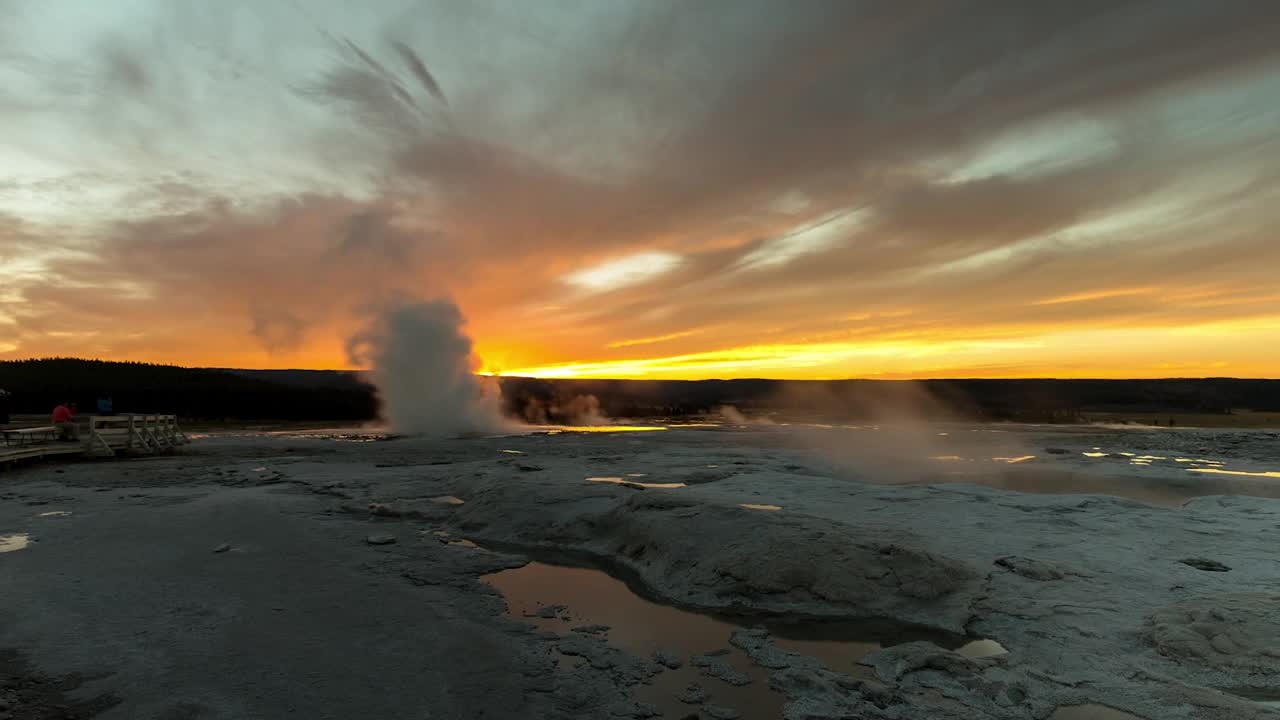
{"type": "Point", "coordinates": [38, 385]}
{"type": "Point", "coordinates": [1026, 400]}
{"type": "Point", "coordinates": [320, 379]}
{"type": "Point", "coordinates": [223, 393]}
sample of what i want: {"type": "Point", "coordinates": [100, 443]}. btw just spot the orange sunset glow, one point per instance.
{"type": "Point", "coordinates": [740, 208]}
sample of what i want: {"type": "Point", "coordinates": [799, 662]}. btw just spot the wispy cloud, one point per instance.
{"type": "Point", "coordinates": [652, 340]}
{"type": "Point", "coordinates": [624, 271]}
{"type": "Point", "coordinates": [1096, 295]}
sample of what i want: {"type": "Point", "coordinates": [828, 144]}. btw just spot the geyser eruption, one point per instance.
{"type": "Point", "coordinates": [424, 368]}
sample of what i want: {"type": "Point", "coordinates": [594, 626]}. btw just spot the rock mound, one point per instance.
{"type": "Point", "coordinates": [1237, 633]}
{"type": "Point", "coordinates": [727, 558]}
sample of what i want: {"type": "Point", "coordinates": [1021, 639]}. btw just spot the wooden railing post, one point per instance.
{"type": "Point", "coordinates": [96, 438]}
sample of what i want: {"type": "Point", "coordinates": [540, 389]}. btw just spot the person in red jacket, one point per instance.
{"type": "Point", "coordinates": [64, 418]}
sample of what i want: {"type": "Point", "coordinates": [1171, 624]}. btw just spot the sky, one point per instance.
{"type": "Point", "coordinates": [649, 188]}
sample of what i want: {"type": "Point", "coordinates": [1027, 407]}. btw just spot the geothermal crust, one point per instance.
{"type": "Point", "coordinates": [313, 577]}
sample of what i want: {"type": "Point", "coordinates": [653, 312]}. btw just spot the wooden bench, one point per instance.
{"type": "Point", "coordinates": [27, 436]}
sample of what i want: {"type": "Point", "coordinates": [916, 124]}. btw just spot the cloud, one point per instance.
{"type": "Point", "coordinates": [734, 174]}
{"type": "Point", "coordinates": [623, 271]}
{"type": "Point", "coordinates": [420, 71]}
{"type": "Point", "coordinates": [821, 235]}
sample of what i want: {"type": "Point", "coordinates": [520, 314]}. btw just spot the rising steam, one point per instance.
{"type": "Point", "coordinates": [423, 366]}
{"type": "Point", "coordinates": [578, 410]}
{"type": "Point", "coordinates": [734, 416]}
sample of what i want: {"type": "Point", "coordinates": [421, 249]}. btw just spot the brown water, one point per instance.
{"type": "Point", "coordinates": [640, 626]}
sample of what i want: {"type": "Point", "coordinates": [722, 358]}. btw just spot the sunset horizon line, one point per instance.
{"type": "Point", "coordinates": [727, 378]}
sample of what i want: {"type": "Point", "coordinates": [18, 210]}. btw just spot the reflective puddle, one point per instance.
{"type": "Point", "coordinates": [448, 500]}
{"type": "Point", "coordinates": [759, 506]}
{"type": "Point", "coordinates": [10, 543]}
{"type": "Point", "coordinates": [55, 514]}
{"type": "Point", "coordinates": [629, 481]}
{"type": "Point", "coordinates": [560, 598]}
{"type": "Point", "coordinates": [557, 429]}
{"type": "Point", "coordinates": [1246, 473]}
{"type": "Point", "coordinates": [1169, 479]}
{"type": "Point", "coordinates": [1181, 463]}
{"type": "Point", "coordinates": [1013, 460]}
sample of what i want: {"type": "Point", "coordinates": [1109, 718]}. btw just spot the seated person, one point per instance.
{"type": "Point", "coordinates": [64, 419]}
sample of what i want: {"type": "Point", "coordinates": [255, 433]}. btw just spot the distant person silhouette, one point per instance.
{"type": "Point", "coordinates": [64, 419]}
{"type": "Point", "coordinates": [105, 405]}
{"type": "Point", "coordinates": [5, 399]}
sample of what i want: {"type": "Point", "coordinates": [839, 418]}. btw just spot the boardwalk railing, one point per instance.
{"type": "Point", "coordinates": [107, 436]}
{"type": "Point", "coordinates": [110, 434]}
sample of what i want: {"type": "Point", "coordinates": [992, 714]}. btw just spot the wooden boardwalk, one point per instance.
{"type": "Point", "coordinates": [105, 436]}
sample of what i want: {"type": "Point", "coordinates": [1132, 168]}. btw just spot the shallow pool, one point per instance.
{"type": "Point", "coordinates": [590, 596]}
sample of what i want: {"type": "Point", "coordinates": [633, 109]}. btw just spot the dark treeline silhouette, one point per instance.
{"type": "Point", "coordinates": [38, 385]}
{"type": "Point", "coordinates": [206, 393]}
{"type": "Point", "coordinates": [1026, 400]}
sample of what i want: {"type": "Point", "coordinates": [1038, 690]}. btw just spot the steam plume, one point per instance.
{"type": "Point", "coordinates": [578, 410]}
{"type": "Point", "coordinates": [424, 368]}
{"type": "Point", "coordinates": [734, 416]}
